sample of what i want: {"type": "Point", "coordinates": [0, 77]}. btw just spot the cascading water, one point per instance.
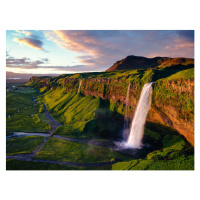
{"type": "Point", "coordinates": [79, 88]}
{"type": "Point", "coordinates": [126, 128]}
{"type": "Point", "coordinates": [142, 109]}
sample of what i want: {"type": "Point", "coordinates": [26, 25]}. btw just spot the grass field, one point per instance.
{"type": "Point", "coordinates": [24, 165]}
{"type": "Point", "coordinates": [181, 163]}
{"type": "Point", "coordinates": [23, 144]}
{"type": "Point", "coordinates": [22, 113]}
{"type": "Point", "coordinates": [61, 150]}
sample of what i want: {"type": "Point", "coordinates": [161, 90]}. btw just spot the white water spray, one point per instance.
{"type": "Point", "coordinates": [126, 128]}
{"type": "Point", "coordinates": [139, 119]}
{"type": "Point", "coordinates": [79, 88]}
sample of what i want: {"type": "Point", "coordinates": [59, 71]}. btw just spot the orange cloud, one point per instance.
{"type": "Point", "coordinates": [31, 42]}
{"type": "Point", "coordinates": [77, 41]}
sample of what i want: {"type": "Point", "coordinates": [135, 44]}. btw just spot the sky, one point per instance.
{"type": "Point", "coordinates": [68, 51]}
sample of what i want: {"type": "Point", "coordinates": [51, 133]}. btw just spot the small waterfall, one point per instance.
{"type": "Point", "coordinates": [126, 128]}
{"type": "Point", "coordinates": [139, 119]}
{"type": "Point", "coordinates": [18, 110]}
{"type": "Point", "coordinates": [79, 88]}
{"type": "Point", "coordinates": [8, 116]}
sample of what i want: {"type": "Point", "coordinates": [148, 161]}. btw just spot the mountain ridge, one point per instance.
{"type": "Point", "coordinates": [140, 62]}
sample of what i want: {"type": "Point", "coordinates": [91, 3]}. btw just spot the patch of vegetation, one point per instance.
{"type": "Point", "coordinates": [173, 141]}
{"type": "Point", "coordinates": [41, 109]}
{"type": "Point", "coordinates": [43, 89]}
{"type": "Point", "coordinates": [62, 150]}
{"type": "Point", "coordinates": [25, 123]}
{"type": "Point", "coordinates": [152, 134]}
{"type": "Point", "coordinates": [181, 163]}
{"type": "Point", "coordinates": [184, 74]}
{"type": "Point", "coordinates": [24, 165]}
{"type": "Point", "coordinates": [23, 144]}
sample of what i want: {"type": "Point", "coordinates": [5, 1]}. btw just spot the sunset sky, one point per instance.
{"type": "Point", "coordinates": [62, 52]}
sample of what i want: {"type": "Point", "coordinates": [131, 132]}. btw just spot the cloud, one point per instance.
{"type": "Point", "coordinates": [31, 42]}
{"type": "Point", "coordinates": [30, 39]}
{"type": "Point", "coordinates": [27, 33]}
{"type": "Point", "coordinates": [24, 63]}
{"type": "Point", "coordinates": [186, 34]}
{"type": "Point", "coordinates": [101, 49]}
{"type": "Point", "coordinates": [42, 66]}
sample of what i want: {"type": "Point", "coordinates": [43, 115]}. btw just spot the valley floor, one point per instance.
{"type": "Point", "coordinates": [48, 151]}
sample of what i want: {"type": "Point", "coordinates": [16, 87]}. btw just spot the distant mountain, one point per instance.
{"type": "Point", "coordinates": [139, 62]}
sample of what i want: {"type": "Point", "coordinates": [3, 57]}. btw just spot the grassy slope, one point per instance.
{"type": "Point", "coordinates": [184, 74]}
{"type": "Point", "coordinates": [79, 113]}
{"type": "Point", "coordinates": [23, 121]}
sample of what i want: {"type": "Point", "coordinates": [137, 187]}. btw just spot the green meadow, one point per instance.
{"type": "Point", "coordinates": [24, 114]}
{"type": "Point", "coordinates": [23, 144]}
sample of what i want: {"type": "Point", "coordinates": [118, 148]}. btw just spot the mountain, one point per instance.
{"type": "Point", "coordinates": [139, 62]}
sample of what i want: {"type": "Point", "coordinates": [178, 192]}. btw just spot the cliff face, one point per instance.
{"type": "Point", "coordinates": [172, 102]}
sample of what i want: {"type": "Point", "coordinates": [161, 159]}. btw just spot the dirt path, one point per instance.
{"type": "Point", "coordinates": [54, 124]}
{"type": "Point", "coordinates": [72, 139]}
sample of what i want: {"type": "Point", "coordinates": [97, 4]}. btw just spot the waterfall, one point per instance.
{"type": "Point", "coordinates": [8, 116]}
{"type": "Point", "coordinates": [126, 128]}
{"type": "Point", "coordinates": [139, 119]}
{"type": "Point", "coordinates": [79, 88]}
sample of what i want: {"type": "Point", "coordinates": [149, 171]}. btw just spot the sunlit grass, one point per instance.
{"type": "Point", "coordinates": [23, 144]}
